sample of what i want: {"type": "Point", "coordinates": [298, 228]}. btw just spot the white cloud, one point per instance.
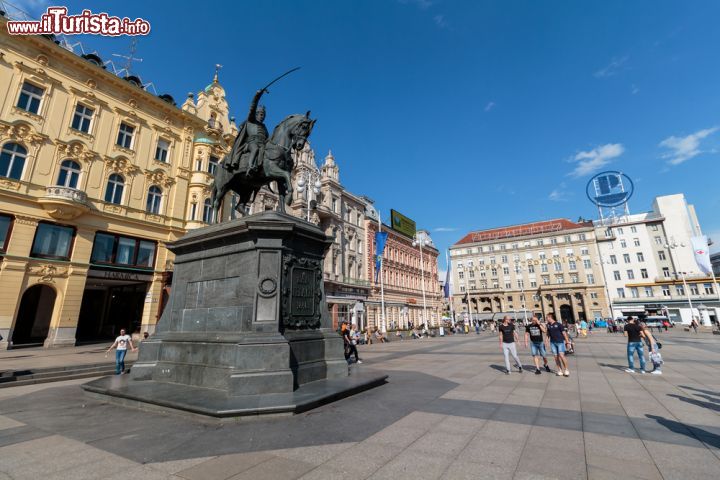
{"type": "Point", "coordinates": [440, 21]}
{"type": "Point", "coordinates": [445, 229]}
{"type": "Point", "coordinates": [595, 159]}
{"type": "Point", "coordinates": [489, 106]}
{"type": "Point", "coordinates": [634, 89]}
{"type": "Point", "coordinates": [615, 65]}
{"type": "Point", "coordinates": [685, 148]}
{"type": "Point", "coordinates": [560, 194]}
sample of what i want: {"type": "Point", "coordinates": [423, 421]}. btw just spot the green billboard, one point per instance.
{"type": "Point", "coordinates": [402, 224]}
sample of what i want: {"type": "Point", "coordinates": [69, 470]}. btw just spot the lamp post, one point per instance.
{"type": "Point", "coordinates": [602, 263]}
{"type": "Point", "coordinates": [419, 241]}
{"type": "Point", "coordinates": [521, 282]}
{"type": "Point", "coordinates": [302, 184]}
{"type": "Point", "coordinates": [671, 247]}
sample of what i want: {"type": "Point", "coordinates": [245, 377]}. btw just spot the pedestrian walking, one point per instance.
{"type": "Point", "coordinates": [535, 332]}
{"type": "Point", "coordinates": [694, 324]}
{"type": "Point", "coordinates": [583, 328]}
{"type": "Point", "coordinates": [635, 336]}
{"type": "Point", "coordinates": [654, 349]}
{"type": "Point", "coordinates": [350, 343]}
{"type": "Point", "coordinates": [121, 345]}
{"type": "Point", "coordinates": [558, 340]}
{"type": "Point", "coordinates": [477, 327]}
{"type": "Point", "coordinates": [508, 336]}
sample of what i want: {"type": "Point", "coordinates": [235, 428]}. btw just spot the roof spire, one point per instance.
{"type": "Point", "coordinates": [217, 71]}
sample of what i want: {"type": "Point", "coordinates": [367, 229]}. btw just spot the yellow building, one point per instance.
{"type": "Point", "coordinates": [96, 175]}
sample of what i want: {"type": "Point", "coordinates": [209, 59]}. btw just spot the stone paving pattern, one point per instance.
{"type": "Point", "coordinates": [447, 412]}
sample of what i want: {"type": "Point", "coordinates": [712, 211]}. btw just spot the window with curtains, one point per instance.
{"type": "Point", "coordinates": [114, 249]}
{"type": "Point", "coordinates": [52, 241]}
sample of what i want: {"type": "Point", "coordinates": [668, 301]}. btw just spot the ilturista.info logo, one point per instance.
{"type": "Point", "coordinates": [57, 21]}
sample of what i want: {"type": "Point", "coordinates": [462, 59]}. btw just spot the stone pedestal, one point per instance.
{"type": "Point", "coordinates": [246, 325]}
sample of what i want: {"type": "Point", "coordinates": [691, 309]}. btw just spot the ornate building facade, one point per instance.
{"type": "Point", "coordinates": [341, 214]}
{"type": "Point", "coordinates": [96, 175]}
{"type": "Point", "coordinates": [535, 268]}
{"type": "Point", "coordinates": [405, 275]}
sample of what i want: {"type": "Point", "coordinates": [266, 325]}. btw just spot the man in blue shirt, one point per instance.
{"type": "Point", "coordinates": [558, 339]}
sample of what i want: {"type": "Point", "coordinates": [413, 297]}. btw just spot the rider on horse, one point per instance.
{"type": "Point", "coordinates": [249, 147]}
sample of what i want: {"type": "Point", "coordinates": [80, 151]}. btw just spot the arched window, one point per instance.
{"type": "Point", "coordinates": [69, 174]}
{"type": "Point", "coordinates": [12, 160]}
{"type": "Point", "coordinates": [207, 210]}
{"type": "Point", "coordinates": [153, 199]}
{"type": "Point", "coordinates": [114, 191]}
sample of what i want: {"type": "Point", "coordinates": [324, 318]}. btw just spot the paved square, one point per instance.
{"type": "Point", "coordinates": [447, 411]}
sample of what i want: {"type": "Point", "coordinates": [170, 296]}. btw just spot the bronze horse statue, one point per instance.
{"type": "Point", "coordinates": [277, 165]}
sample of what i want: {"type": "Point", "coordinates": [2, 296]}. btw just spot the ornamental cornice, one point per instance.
{"type": "Point", "coordinates": [47, 271]}
{"type": "Point", "coordinates": [130, 114]}
{"type": "Point", "coordinates": [88, 96]}
{"type": "Point", "coordinates": [22, 131]}
{"type": "Point", "coordinates": [76, 150]}
{"type": "Point", "coordinates": [166, 130]}
{"type": "Point", "coordinates": [121, 165]}
{"type": "Point", "coordinates": [9, 184]}
{"type": "Point", "coordinates": [159, 177]}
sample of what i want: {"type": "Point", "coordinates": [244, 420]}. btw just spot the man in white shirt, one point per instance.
{"type": "Point", "coordinates": [121, 345]}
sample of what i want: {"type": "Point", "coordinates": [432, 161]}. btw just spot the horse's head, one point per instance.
{"type": "Point", "coordinates": [301, 130]}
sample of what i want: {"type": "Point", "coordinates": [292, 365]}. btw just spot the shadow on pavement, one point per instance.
{"type": "Point", "coordinates": [704, 436]}
{"type": "Point", "coordinates": [699, 403]}
{"type": "Point", "coordinates": [708, 392]}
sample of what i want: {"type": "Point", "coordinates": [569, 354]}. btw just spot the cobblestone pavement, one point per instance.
{"type": "Point", "coordinates": [447, 411]}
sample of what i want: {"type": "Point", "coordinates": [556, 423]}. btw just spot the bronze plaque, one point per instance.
{"type": "Point", "coordinates": [302, 292]}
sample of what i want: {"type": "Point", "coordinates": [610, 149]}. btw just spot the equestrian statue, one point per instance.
{"type": "Point", "coordinates": [257, 159]}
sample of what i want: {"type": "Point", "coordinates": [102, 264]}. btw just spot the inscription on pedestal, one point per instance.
{"type": "Point", "coordinates": [302, 292]}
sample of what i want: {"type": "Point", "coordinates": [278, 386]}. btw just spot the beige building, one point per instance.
{"type": "Point", "coordinates": [405, 275]}
{"type": "Point", "coordinates": [96, 175]}
{"type": "Point", "coordinates": [535, 268]}
{"type": "Point", "coordinates": [341, 215]}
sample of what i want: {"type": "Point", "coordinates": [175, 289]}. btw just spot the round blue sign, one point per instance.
{"type": "Point", "coordinates": [610, 189]}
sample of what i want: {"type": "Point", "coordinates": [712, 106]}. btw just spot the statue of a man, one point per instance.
{"type": "Point", "coordinates": [250, 140]}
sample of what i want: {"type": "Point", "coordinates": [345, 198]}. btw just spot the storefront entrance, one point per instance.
{"type": "Point", "coordinates": [33, 320]}
{"type": "Point", "coordinates": [111, 301]}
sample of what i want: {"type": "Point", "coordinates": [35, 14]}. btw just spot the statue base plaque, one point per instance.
{"type": "Point", "coordinates": [246, 330]}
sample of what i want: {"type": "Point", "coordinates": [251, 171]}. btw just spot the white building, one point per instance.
{"type": "Point", "coordinates": [649, 263]}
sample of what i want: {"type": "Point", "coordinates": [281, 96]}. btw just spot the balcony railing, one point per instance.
{"type": "Point", "coordinates": [66, 193]}
{"type": "Point", "coordinates": [356, 281]}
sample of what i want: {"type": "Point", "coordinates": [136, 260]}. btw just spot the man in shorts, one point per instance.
{"type": "Point", "coordinates": [535, 332]}
{"type": "Point", "coordinates": [558, 340]}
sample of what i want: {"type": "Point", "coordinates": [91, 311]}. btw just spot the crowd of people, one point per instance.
{"type": "Point", "coordinates": [541, 337]}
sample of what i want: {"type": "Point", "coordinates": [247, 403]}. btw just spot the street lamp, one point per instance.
{"type": "Point", "coordinates": [602, 263]}
{"type": "Point", "coordinates": [419, 241]}
{"type": "Point", "coordinates": [521, 282]}
{"type": "Point", "coordinates": [302, 184]}
{"type": "Point", "coordinates": [671, 247]}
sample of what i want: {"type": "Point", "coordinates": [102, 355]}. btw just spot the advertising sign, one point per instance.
{"type": "Point", "coordinates": [402, 224]}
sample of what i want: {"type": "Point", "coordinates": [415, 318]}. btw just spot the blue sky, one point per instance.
{"type": "Point", "coordinates": [465, 115]}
